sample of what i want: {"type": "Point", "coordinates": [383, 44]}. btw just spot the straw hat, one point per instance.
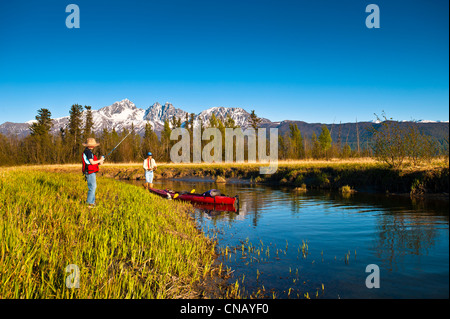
{"type": "Point", "coordinates": [91, 142]}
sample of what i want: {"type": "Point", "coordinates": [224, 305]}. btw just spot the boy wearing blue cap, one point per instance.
{"type": "Point", "coordinates": [149, 167]}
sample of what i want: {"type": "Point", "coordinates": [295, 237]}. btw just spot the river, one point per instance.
{"type": "Point", "coordinates": [287, 244]}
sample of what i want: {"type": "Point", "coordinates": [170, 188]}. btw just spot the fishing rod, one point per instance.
{"type": "Point", "coordinates": [117, 145]}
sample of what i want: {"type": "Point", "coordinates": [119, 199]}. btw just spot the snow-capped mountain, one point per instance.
{"type": "Point", "coordinates": [239, 115]}
{"type": "Point", "coordinates": [157, 114]}
{"type": "Point", "coordinates": [19, 129]}
{"type": "Point", "coordinates": [430, 121]}
{"type": "Point", "coordinates": [123, 114]}
{"type": "Point", "coordinates": [119, 115]}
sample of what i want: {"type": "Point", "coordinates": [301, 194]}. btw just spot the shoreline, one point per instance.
{"type": "Point", "coordinates": [422, 182]}
{"type": "Point", "coordinates": [361, 175]}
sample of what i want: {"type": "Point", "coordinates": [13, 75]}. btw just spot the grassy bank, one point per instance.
{"type": "Point", "coordinates": [359, 174]}
{"type": "Point", "coordinates": [132, 245]}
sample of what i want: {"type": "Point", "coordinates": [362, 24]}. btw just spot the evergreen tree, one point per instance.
{"type": "Point", "coordinates": [40, 140]}
{"type": "Point", "coordinates": [254, 123]}
{"type": "Point", "coordinates": [175, 122]}
{"type": "Point", "coordinates": [135, 144]}
{"type": "Point", "coordinates": [190, 128]}
{"type": "Point", "coordinates": [346, 151]}
{"type": "Point", "coordinates": [74, 129]}
{"type": "Point", "coordinates": [254, 120]}
{"type": "Point", "coordinates": [89, 123]}
{"type": "Point", "coordinates": [296, 142]}
{"type": "Point", "coordinates": [229, 122]}
{"type": "Point", "coordinates": [325, 140]}
{"type": "Point", "coordinates": [221, 128]}
{"type": "Point", "coordinates": [213, 121]}
{"type": "Point", "coordinates": [191, 121]}
{"type": "Point", "coordinates": [165, 139]}
{"type": "Point", "coordinates": [114, 140]}
{"type": "Point", "coordinates": [150, 143]}
{"type": "Point", "coordinates": [316, 148]}
{"type": "Point", "coordinates": [125, 150]}
{"type": "Point", "coordinates": [201, 130]}
{"type": "Point", "coordinates": [105, 142]}
{"type": "Point", "coordinates": [43, 123]}
{"type": "Point", "coordinates": [7, 156]}
{"type": "Point", "coordinates": [283, 145]}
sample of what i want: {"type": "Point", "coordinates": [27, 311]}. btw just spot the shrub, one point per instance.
{"type": "Point", "coordinates": [346, 189]}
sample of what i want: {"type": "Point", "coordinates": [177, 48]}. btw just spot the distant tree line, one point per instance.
{"type": "Point", "coordinates": [390, 143]}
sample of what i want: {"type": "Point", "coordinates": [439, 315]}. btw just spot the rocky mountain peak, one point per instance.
{"type": "Point", "coordinates": [158, 113]}
{"type": "Point", "coordinates": [118, 107]}
{"type": "Point", "coordinates": [122, 114]}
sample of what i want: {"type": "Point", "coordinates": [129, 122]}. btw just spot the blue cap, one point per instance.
{"type": "Point", "coordinates": [149, 154]}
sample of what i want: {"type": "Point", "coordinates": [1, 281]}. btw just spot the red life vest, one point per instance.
{"type": "Point", "coordinates": [89, 169]}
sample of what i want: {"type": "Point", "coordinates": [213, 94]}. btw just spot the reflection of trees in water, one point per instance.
{"type": "Point", "coordinates": [401, 234]}
{"type": "Point", "coordinates": [253, 200]}
{"type": "Point", "coordinates": [405, 227]}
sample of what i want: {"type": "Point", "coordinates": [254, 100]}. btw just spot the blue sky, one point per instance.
{"type": "Point", "coordinates": [314, 61]}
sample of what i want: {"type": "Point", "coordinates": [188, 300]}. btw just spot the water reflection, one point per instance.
{"type": "Point", "coordinates": [407, 238]}
{"type": "Point", "coordinates": [403, 225]}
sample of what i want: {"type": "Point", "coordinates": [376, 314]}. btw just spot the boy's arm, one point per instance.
{"type": "Point", "coordinates": [91, 161]}
{"type": "Point", "coordinates": [100, 161]}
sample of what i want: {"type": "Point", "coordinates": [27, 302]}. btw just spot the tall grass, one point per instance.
{"type": "Point", "coordinates": [359, 174]}
{"type": "Point", "coordinates": [132, 245]}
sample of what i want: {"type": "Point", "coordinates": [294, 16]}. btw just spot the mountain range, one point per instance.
{"type": "Point", "coordinates": [123, 114]}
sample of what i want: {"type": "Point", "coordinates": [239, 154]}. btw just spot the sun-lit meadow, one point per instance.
{"type": "Point", "coordinates": [132, 245]}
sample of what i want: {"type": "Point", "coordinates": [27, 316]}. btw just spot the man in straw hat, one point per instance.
{"type": "Point", "coordinates": [90, 168]}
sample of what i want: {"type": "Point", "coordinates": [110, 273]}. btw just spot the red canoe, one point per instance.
{"type": "Point", "coordinates": [197, 198]}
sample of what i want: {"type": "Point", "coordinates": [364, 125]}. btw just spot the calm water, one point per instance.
{"type": "Point", "coordinates": [287, 244]}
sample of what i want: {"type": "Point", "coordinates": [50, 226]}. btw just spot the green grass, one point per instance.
{"type": "Point", "coordinates": [132, 245]}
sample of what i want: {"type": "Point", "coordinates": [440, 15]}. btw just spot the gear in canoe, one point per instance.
{"type": "Point", "coordinates": [212, 196]}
